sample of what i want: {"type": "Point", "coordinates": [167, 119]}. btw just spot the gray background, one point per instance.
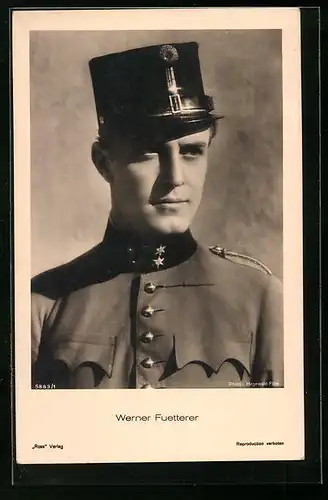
{"type": "Point", "coordinates": [242, 205]}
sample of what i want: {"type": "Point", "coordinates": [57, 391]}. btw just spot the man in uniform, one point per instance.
{"type": "Point", "coordinates": [150, 307]}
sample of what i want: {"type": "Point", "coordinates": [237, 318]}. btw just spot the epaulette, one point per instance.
{"type": "Point", "coordinates": [224, 253]}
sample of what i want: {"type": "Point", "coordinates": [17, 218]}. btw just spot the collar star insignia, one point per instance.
{"type": "Point", "coordinates": [158, 262]}
{"type": "Point", "coordinates": [160, 250]}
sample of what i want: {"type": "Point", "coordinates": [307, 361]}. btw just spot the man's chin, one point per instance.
{"type": "Point", "coordinates": [170, 225]}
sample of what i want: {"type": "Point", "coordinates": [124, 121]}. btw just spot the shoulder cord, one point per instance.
{"type": "Point", "coordinates": [222, 252]}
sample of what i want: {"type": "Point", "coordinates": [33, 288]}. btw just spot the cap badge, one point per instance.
{"type": "Point", "coordinates": [169, 53]}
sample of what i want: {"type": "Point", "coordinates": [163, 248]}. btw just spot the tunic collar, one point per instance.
{"type": "Point", "coordinates": [134, 254]}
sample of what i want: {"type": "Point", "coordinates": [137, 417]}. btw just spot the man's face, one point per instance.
{"type": "Point", "coordinates": [159, 188]}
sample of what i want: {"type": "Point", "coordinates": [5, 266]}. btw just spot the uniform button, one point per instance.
{"type": "Point", "coordinates": [146, 337]}
{"type": "Point", "coordinates": [150, 287]}
{"type": "Point", "coordinates": [147, 311]}
{"type": "Point", "coordinates": [147, 363]}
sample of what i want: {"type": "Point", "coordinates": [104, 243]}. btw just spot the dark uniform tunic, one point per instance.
{"type": "Point", "coordinates": [170, 314]}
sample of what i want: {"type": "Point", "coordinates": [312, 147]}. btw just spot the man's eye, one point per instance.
{"type": "Point", "coordinates": [141, 157]}
{"type": "Point", "coordinates": [191, 153]}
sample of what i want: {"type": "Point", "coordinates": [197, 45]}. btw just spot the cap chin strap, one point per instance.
{"type": "Point", "coordinates": [187, 106]}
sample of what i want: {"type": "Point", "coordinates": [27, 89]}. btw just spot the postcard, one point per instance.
{"type": "Point", "coordinates": [158, 235]}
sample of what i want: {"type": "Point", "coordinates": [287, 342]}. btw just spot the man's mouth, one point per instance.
{"type": "Point", "coordinates": [170, 201]}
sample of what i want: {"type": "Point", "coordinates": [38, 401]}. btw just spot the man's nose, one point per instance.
{"type": "Point", "coordinates": [172, 168]}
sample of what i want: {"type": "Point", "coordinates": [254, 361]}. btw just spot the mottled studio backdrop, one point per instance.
{"type": "Point", "coordinates": [242, 205]}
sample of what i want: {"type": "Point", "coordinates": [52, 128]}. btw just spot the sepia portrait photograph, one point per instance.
{"type": "Point", "coordinates": [152, 304]}
{"type": "Point", "coordinates": [157, 211]}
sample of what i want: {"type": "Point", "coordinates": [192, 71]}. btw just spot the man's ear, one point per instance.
{"type": "Point", "coordinates": [101, 161]}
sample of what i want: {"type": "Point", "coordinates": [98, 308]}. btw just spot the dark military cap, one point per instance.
{"type": "Point", "coordinates": [151, 88]}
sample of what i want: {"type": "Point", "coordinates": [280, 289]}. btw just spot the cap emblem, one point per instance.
{"type": "Point", "coordinates": [169, 54]}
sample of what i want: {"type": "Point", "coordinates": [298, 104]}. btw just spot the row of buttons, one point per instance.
{"type": "Point", "coordinates": [148, 337]}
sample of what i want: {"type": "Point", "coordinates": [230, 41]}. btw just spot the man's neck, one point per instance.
{"type": "Point", "coordinates": [145, 236]}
